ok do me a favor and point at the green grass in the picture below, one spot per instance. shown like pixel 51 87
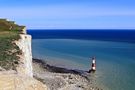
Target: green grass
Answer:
pixel 9 51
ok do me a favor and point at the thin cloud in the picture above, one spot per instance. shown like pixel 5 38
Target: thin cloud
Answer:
pixel 71 16
pixel 63 12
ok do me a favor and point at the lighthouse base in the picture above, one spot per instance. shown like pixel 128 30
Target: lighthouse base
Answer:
pixel 91 71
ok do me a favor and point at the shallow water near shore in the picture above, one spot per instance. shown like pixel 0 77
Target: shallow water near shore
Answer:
pixel 115 60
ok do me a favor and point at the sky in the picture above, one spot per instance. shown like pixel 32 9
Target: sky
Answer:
pixel 70 14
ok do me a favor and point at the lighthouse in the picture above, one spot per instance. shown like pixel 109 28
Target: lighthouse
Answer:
pixel 93 66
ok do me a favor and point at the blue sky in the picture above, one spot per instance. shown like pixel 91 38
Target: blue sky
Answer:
pixel 70 14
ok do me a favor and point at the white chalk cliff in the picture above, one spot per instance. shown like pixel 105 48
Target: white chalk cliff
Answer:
pixel 25 68
pixel 22 78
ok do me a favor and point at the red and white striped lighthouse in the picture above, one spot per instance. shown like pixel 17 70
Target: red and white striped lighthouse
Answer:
pixel 93 66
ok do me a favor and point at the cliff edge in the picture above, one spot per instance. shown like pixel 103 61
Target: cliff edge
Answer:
pixel 24 43
pixel 16 58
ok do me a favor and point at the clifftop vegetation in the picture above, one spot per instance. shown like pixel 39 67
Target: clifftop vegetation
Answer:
pixel 9 51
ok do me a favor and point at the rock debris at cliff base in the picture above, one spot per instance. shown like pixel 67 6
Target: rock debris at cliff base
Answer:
pixel 68 80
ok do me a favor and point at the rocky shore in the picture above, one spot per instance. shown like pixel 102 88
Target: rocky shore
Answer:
pixel 57 78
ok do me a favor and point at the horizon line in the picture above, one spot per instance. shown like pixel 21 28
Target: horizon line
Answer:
pixel 79 29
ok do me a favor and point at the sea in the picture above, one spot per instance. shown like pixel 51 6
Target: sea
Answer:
pixel 114 51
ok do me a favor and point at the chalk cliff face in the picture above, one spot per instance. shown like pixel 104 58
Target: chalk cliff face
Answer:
pixel 25 68
pixel 21 76
pixel 22 79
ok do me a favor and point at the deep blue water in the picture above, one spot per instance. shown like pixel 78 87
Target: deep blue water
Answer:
pixel 107 35
pixel 114 50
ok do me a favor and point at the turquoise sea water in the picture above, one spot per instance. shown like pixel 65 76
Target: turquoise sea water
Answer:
pixel 115 60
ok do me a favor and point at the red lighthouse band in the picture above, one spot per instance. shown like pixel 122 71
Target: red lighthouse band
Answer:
pixel 93 66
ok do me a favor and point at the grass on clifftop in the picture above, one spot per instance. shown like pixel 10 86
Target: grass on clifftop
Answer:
pixel 9 51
